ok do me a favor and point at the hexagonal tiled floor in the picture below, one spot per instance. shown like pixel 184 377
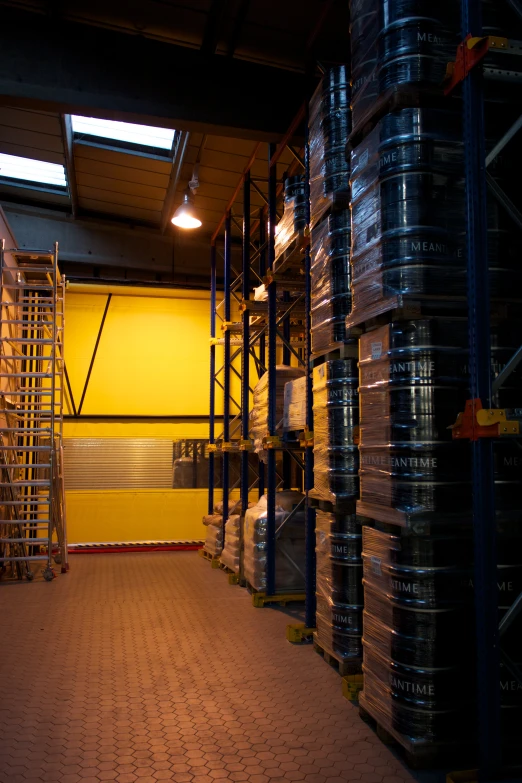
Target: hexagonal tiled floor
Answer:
pixel 150 667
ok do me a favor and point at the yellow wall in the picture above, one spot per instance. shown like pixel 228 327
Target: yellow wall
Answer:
pixel 152 360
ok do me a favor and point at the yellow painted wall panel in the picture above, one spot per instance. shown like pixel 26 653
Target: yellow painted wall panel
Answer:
pixel 136 515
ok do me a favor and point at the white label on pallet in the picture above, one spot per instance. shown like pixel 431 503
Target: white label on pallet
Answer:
pixel 376 350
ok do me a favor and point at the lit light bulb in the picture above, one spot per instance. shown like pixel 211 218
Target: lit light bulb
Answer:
pixel 185 216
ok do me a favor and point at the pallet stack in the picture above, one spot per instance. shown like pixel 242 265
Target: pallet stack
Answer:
pixel 409 286
pixel 335 380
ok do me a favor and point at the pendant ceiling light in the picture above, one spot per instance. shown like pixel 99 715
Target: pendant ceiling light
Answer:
pixel 186 216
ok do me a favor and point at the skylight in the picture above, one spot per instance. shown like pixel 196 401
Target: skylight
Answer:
pixel 143 135
pixel 29 170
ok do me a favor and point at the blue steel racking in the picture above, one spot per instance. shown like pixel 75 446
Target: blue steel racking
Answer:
pixel 478 182
pixel 273 329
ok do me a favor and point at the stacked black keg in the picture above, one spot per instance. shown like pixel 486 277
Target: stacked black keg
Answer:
pixel 329 128
pixel 407 211
pixel 338 533
pixel 408 240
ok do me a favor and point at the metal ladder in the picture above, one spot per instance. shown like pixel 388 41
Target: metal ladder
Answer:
pixel 32 499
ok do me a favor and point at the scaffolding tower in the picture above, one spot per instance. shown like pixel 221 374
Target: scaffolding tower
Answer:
pixel 32 499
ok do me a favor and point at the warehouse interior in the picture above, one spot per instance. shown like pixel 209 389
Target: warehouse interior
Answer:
pixel 260 391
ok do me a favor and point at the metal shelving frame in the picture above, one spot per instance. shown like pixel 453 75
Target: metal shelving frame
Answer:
pixel 478 183
pixel 265 328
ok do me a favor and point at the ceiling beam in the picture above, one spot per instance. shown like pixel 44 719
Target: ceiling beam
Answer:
pixel 67 138
pixel 238 27
pixel 213 26
pixel 79 68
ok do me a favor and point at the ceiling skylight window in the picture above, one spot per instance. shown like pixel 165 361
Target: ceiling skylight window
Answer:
pixel 32 171
pixel 125 135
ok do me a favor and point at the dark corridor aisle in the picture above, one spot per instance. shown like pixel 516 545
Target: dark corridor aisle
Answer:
pixel 150 667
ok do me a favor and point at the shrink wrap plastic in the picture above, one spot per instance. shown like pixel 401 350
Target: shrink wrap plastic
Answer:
pixel 331 275
pixel 329 127
pixel 413 379
pixel 413 382
pixel 214 538
pixel 234 507
pixel 418 640
pixel 339 589
pixel 336 417
pixel 231 554
pixel 259 412
pixel 294 215
pixel 407 211
pixel 417 633
pixel 290 544
pixel 399 42
pixel 294 415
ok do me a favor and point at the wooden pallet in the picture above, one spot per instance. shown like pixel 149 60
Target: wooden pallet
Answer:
pixel 332 506
pixel 213 559
pixel 352 686
pixel 260 599
pixel 291 259
pixel 399 96
pixel 332 202
pixel 343 666
pixel 233 577
pixel 422 756
pixel 345 350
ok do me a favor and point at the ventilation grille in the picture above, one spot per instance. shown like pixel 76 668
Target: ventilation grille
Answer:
pixel 118 463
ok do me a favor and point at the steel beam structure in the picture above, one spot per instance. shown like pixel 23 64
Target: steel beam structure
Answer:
pixel 484 526
pixel 33 51
pixel 211 435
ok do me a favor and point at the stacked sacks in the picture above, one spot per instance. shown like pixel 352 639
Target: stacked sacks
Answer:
pixel 339 588
pixel 294 414
pixel 259 412
pixel 214 538
pixel 293 221
pixel 336 418
pixel 407 211
pixel 231 554
pixel 290 544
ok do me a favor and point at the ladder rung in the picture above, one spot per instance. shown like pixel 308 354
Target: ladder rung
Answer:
pixel 26 502
pixel 43 269
pixel 27 340
pixel 29 558
pixel 26 375
pixel 35 483
pixel 42 524
pixel 27 541
pixel 24 448
pixel 22 393
pixel 33 465
pixel 28 284
pixel 31 301
pixel 22 430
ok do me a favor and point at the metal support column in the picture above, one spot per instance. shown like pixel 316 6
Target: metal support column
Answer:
pixel 226 372
pixel 272 320
pixel 245 355
pixel 262 339
pixel 287 459
pixel 211 423
pixel 310 571
pixel 485 543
